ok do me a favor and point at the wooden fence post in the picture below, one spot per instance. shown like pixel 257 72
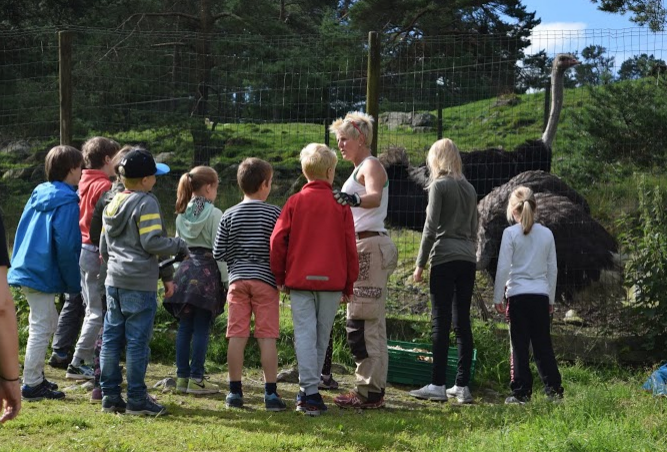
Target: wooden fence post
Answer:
pixel 373 85
pixel 65 82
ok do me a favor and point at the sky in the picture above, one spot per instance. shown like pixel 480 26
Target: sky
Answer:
pixel 571 25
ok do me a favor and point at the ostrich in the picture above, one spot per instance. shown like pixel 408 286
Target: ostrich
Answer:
pixel 583 247
pixel 484 169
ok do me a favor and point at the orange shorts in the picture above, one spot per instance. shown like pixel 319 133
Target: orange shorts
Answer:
pixel 251 297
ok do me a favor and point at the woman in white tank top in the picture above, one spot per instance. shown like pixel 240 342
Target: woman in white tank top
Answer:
pixel 367 192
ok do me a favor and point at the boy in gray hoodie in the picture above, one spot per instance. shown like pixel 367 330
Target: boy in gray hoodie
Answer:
pixel 131 241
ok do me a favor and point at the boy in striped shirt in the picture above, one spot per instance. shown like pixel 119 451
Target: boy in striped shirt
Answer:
pixel 242 241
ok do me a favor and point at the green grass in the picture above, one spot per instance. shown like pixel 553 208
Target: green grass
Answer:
pixel 604 410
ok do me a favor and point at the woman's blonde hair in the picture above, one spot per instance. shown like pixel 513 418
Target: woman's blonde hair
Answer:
pixel 444 159
pixel 316 159
pixel 190 182
pixel 355 124
pixel 522 201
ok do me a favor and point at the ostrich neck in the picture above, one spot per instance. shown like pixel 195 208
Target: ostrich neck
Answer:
pixel 556 106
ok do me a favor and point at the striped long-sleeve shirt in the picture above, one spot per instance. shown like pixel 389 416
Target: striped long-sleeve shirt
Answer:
pixel 243 240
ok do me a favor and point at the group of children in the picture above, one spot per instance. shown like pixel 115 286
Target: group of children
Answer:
pixel 323 248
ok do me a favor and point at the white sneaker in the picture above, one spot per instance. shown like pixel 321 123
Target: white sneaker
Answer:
pixel 462 394
pixel 430 392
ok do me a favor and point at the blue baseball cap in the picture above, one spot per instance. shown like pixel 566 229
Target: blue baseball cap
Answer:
pixel 140 163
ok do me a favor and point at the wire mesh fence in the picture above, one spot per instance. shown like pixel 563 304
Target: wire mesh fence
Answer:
pixel 193 98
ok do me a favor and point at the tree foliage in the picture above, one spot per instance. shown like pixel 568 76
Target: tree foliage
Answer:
pixel 640 66
pixel 596 68
pixel 535 73
pixel 624 122
pixel 643 12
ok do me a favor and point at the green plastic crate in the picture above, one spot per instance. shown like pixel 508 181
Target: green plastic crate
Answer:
pixel 406 367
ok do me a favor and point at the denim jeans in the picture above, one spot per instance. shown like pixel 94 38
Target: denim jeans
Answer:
pixel 129 320
pixel 193 331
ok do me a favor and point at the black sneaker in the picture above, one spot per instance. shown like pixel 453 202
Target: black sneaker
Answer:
pixel 39 392
pixel 328 383
pixel 52 386
pixel 59 361
pixel 113 404
pixel 311 405
pixel 147 408
pixel 517 400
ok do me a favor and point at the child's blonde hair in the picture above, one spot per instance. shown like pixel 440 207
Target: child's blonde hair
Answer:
pixel 522 201
pixel 444 159
pixel 190 182
pixel 355 124
pixel 316 159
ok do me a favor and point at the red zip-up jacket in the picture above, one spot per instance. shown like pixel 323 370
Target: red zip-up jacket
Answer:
pixel 313 246
pixel 93 184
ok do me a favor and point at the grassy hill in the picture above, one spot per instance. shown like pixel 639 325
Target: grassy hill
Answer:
pixel 498 122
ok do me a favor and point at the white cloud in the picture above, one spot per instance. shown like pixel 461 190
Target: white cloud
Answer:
pixel 566 37
pixel 556 37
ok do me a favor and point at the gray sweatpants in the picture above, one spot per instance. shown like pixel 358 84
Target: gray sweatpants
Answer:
pixel 313 316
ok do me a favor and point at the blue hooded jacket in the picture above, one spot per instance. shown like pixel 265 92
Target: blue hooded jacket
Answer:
pixel 48 241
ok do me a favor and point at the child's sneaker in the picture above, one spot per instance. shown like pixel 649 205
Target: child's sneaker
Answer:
pixel 354 400
pixel 113 404
pixel 51 385
pixel 273 402
pixel 80 372
pixel 182 385
pixel 517 400
pixel 234 400
pixel 146 408
pixel 312 405
pixel 96 395
pixel 39 392
pixel 554 395
pixel 59 361
pixel 327 383
pixel 461 393
pixel 201 387
pixel 430 392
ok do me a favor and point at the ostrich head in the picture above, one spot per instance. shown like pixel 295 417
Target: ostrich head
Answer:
pixel 562 62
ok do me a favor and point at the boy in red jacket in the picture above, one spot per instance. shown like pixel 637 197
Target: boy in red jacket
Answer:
pixel 98 153
pixel 314 259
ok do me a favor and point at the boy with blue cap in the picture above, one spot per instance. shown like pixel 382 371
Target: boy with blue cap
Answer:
pixel 133 237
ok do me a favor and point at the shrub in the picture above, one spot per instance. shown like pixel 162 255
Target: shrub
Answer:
pixel 646 268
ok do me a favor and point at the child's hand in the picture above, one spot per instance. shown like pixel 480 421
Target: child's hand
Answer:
pixel 168 289
pixel 417 275
pixel 345 299
pixel 500 307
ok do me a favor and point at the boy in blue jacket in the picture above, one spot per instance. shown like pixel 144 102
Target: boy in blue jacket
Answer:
pixel 45 261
